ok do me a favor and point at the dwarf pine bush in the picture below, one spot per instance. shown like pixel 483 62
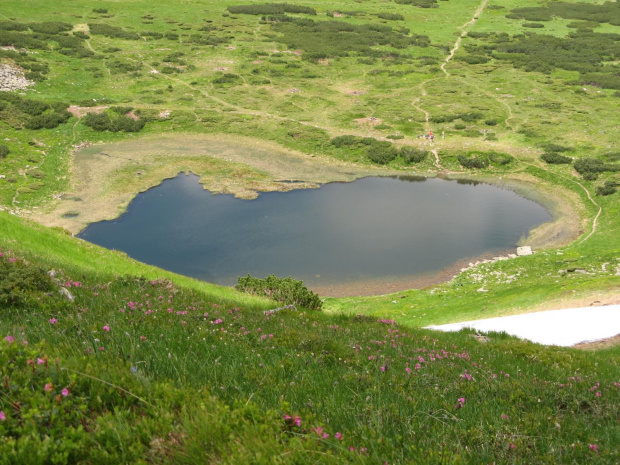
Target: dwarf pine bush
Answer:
pixel 284 290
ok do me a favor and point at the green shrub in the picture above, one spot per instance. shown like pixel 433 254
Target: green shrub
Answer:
pixel 473 162
pixel 608 188
pixel 271 9
pixel 554 158
pixel 48 120
pixel 50 27
pixel 4 151
pixel 112 31
pixel 590 176
pixel 21 284
pixel 391 16
pixel 103 122
pixel 594 165
pixel 533 25
pixel 284 290
pixel 491 122
pixel 500 158
pixel 412 155
pixel 382 152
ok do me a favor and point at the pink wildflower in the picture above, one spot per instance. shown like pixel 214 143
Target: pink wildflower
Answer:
pixel 467 376
pixel 504 416
pixel 593 447
pixel 417 366
pixel 2 415
pixel 53 321
pixel 297 421
pixel 106 328
pixel 65 392
pixel 383 368
pixel 40 361
pixel 10 339
pixel 101 349
pixel 143 338
pixel 263 336
pixel 372 357
pixel 408 370
pixel 338 436
pixel 48 387
pixel 598 394
pixel 512 446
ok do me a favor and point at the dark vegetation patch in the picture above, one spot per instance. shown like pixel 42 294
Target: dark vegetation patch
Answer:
pixel 468 117
pixel 284 290
pixel 113 32
pixel 325 39
pixel 583 51
pixel 589 166
pixel 610 187
pixel 271 9
pixel 21 112
pixel 112 123
pixel 377 151
pixel 41 36
pixel 480 160
pixel 21 283
pixel 555 158
pixel 391 16
pixel 608 12
pixel 419 3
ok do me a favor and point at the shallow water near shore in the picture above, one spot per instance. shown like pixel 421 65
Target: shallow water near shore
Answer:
pixel 376 229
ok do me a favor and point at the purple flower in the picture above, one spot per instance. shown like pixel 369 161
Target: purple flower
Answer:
pixel 53 321
pixel 2 415
pixel 65 392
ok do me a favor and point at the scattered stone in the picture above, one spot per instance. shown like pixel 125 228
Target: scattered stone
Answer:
pixel 482 289
pixel 276 310
pixel 52 273
pixel 481 338
pixel 525 250
pixel 12 79
pixel 65 293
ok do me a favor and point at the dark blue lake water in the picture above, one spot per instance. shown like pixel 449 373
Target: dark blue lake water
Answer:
pixel 378 228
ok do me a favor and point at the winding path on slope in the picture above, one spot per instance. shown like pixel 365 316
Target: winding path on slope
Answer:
pixel 453 50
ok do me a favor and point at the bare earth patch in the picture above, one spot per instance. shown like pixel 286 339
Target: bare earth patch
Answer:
pixel 80 112
pixel 371 120
pixel 105 178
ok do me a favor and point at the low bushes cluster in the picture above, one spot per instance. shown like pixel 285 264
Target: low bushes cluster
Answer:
pixel 104 122
pixel 480 160
pixel 594 165
pixel 380 152
pixel 271 9
pixel 284 290
pixel 114 32
pixel 610 187
pixel 4 151
pixel 391 16
pixel 22 284
pixel 419 3
pixel 325 39
pixel 18 112
pixel 412 155
pixel 555 158
pixel 468 117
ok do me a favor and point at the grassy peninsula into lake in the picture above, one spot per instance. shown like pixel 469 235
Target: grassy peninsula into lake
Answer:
pixel 107 360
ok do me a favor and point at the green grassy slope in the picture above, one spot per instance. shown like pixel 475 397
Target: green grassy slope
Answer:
pixel 157 370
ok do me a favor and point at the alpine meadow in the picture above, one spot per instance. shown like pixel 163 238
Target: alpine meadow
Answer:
pixel 107 360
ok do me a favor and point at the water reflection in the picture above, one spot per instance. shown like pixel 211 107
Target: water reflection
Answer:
pixel 343 232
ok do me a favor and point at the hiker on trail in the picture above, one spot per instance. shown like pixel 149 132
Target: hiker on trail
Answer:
pixel 431 137
pixel 443 134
